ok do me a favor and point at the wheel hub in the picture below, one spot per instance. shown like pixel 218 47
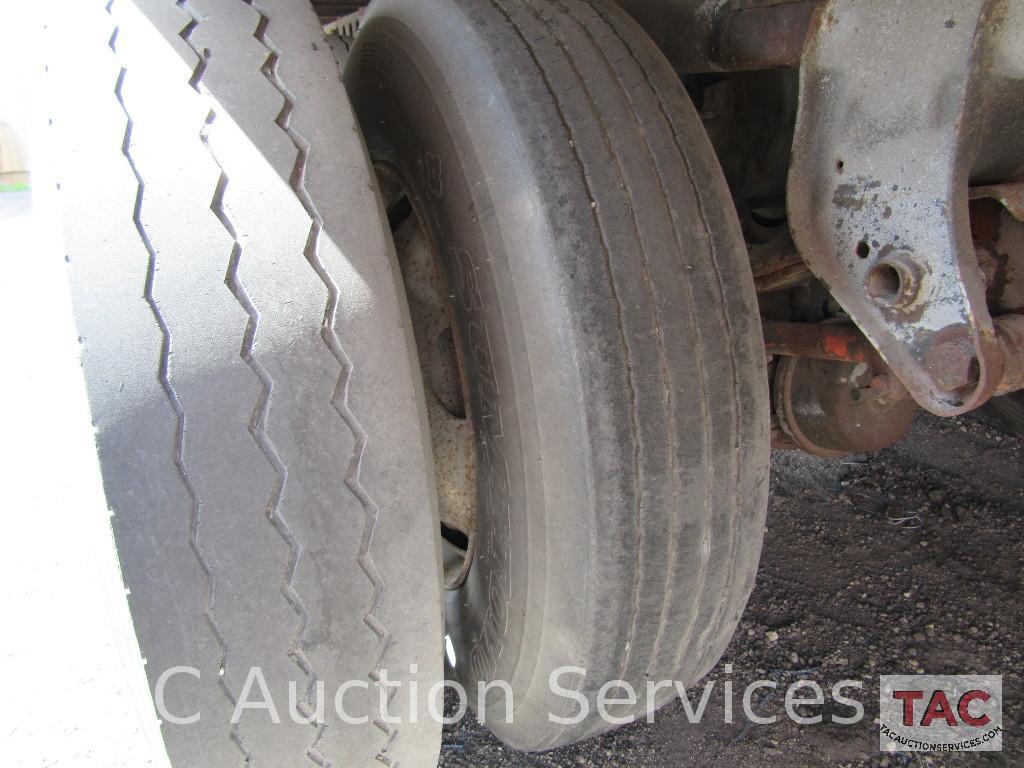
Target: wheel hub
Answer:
pixel 440 358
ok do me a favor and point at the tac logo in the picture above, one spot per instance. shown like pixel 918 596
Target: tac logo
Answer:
pixel 941 713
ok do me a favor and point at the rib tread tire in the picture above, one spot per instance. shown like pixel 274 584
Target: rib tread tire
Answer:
pixel 1008 412
pixel 257 403
pixel 658 552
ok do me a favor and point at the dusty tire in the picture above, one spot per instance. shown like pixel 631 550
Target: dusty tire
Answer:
pixel 256 401
pixel 615 368
pixel 1008 412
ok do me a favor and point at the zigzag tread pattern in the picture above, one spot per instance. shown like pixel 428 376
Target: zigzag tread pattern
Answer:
pixel 260 413
pixel 340 401
pixel 164 377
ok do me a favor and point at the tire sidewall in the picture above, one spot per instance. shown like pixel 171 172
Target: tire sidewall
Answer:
pixel 413 127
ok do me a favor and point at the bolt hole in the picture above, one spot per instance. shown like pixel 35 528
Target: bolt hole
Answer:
pixel 840 165
pixel 455 537
pixel 399 212
pixel 863 249
pixel 884 283
pixel 855 395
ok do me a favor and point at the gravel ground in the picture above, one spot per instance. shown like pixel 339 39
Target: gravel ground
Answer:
pixel 903 562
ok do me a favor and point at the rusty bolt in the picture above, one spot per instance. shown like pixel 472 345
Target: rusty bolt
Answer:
pixel 880 383
pixel 953 364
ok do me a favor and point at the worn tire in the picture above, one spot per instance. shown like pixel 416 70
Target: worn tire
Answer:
pixel 254 390
pixel 1008 412
pixel 615 366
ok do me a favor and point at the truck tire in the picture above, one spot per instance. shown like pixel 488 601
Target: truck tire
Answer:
pixel 257 405
pixel 1008 412
pixel 611 343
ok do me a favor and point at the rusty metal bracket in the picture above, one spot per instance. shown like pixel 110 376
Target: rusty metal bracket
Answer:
pixel 1010 195
pixel 827 341
pixel 725 35
pixel 878 186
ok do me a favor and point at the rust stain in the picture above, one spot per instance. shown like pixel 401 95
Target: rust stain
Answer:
pixel 847 196
pixel 853 195
pixel 836 345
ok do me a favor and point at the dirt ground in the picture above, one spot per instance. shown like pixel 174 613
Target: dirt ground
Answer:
pixel 904 562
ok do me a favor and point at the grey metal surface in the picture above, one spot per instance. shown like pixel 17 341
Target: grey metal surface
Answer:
pixel 877 193
pixel 907 110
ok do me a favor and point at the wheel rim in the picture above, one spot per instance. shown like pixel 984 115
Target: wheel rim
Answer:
pixel 438 348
